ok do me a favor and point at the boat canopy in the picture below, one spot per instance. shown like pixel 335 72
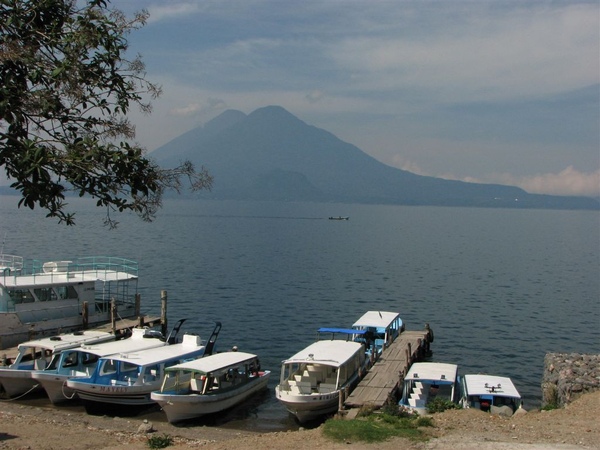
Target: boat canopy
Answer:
pixel 67 341
pixel 331 352
pixel 162 354
pixel 490 385
pixel 341 330
pixel 213 363
pixel 378 319
pixel 440 373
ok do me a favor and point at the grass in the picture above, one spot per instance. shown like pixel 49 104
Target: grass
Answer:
pixel 376 428
pixel 162 441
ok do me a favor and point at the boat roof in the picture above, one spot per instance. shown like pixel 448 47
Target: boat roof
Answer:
pixel 66 341
pixel 157 355
pixel 136 342
pixel 331 353
pixel 482 384
pixel 379 319
pixel 213 363
pixel 429 371
pixel 341 330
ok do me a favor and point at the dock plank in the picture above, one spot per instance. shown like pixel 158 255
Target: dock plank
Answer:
pixel 386 375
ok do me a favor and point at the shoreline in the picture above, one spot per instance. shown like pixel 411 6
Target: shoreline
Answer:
pixel 573 427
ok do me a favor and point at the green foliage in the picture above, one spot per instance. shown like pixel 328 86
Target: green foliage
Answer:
pixel 162 441
pixel 66 88
pixel 375 428
pixel 549 407
pixel 439 404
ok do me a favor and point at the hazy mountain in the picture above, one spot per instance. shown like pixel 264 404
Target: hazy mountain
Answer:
pixel 272 155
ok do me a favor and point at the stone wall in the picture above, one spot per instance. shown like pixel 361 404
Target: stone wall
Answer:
pixel 568 376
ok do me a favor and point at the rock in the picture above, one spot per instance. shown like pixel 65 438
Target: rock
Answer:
pixel 146 427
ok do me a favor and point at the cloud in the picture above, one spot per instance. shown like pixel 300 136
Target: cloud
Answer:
pixel 172 10
pixel 566 182
pixel 211 106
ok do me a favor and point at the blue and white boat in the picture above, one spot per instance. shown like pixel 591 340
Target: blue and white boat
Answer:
pixel 55 297
pixel 380 329
pixel 209 385
pixel 82 362
pixel 489 393
pixel 129 378
pixel 36 355
pixel 311 381
pixel 426 381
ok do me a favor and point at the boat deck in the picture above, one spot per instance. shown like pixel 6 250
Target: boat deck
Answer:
pixel 9 354
pixel 387 374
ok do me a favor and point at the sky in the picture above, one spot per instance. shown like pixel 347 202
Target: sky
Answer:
pixel 485 91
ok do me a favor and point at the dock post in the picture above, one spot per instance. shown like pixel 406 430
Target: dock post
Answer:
pixel 85 315
pixel 163 312
pixel 113 315
pixel 138 303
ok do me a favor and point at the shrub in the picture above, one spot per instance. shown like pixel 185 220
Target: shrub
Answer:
pixel 162 441
pixel 439 405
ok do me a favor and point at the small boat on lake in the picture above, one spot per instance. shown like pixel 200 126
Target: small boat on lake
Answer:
pixel 380 329
pixel 339 218
pixel 36 355
pixel 127 379
pixel 209 385
pixel 490 393
pixel 426 381
pixel 311 380
pixel 82 362
pixel 52 297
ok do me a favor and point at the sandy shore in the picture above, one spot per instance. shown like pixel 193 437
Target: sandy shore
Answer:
pixel 576 426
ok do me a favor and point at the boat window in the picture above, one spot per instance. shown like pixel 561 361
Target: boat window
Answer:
pixel 45 294
pixel 108 367
pixel 66 292
pixel 19 296
pixel 70 359
pixel 128 367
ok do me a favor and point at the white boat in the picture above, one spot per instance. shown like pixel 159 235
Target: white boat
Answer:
pixel 380 329
pixel 426 381
pixel 40 299
pixel 311 380
pixel 82 362
pixel 127 379
pixel 489 393
pixel 209 385
pixel 36 355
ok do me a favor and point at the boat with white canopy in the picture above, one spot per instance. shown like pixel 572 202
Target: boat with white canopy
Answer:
pixel 312 380
pixel 209 385
pixel 380 329
pixel 36 355
pixel 489 393
pixel 426 381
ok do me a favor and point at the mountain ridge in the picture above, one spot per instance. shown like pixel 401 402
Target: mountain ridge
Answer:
pixel 270 154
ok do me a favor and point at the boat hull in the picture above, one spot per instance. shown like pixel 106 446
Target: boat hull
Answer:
pixel 16 382
pixel 55 386
pixel 185 407
pixel 308 407
pixel 133 395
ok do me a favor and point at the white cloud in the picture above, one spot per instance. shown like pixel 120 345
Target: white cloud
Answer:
pixel 566 182
pixel 172 10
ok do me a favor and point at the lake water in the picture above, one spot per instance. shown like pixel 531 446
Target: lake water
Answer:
pixel 499 287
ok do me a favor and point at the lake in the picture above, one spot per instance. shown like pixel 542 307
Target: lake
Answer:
pixel 499 287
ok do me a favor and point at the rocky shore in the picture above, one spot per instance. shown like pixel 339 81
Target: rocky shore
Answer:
pixel 567 376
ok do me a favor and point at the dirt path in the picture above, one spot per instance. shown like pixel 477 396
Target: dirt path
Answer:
pixel 575 427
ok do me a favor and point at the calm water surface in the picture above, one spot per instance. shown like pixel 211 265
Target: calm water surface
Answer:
pixel 500 288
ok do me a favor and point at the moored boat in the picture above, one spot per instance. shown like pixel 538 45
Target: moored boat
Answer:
pixel 36 355
pixel 209 385
pixel 312 380
pixel 380 329
pixel 490 393
pixel 82 362
pixel 128 379
pixel 426 381
pixel 47 298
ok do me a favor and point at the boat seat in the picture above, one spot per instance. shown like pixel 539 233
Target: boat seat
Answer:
pixel 304 387
pixel 196 385
pixel 326 387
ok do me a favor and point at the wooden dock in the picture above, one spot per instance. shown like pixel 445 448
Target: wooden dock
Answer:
pixel 387 374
